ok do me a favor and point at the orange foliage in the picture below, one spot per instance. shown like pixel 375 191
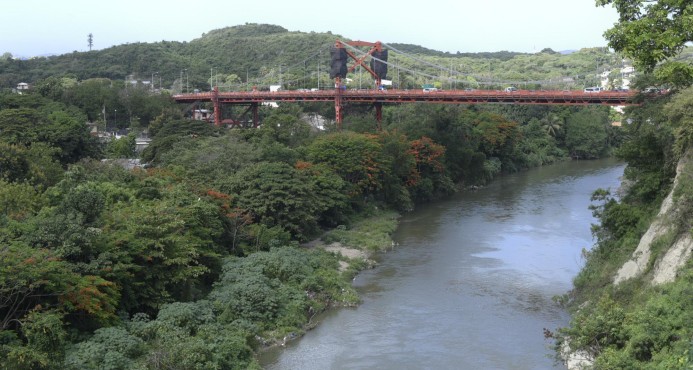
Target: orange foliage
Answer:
pixel 94 296
pixel 426 153
pixel 302 165
pixel 218 195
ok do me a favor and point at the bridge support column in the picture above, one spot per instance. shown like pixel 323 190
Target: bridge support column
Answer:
pixel 378 114
pixel 256 116
pixel 338 103
pixel 217 107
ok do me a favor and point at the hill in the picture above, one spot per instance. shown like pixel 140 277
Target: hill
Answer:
pixel 261 54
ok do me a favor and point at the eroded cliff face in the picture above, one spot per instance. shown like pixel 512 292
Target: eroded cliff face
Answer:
pixel 657 265
pixel 679 251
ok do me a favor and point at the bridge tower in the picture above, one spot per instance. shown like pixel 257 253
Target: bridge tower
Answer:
pixel 338 70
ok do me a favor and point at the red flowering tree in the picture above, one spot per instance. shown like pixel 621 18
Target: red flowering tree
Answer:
pixel 428 180
pixel 356 158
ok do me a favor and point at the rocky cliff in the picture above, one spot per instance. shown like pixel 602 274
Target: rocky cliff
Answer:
pixel 678 251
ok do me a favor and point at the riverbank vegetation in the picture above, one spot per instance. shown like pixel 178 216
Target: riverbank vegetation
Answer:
pixel 641 320
pixel 195 261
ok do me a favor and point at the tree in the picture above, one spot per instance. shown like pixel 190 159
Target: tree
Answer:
pixel 650 32
pixel 66 130
pixel 552 123
pixel 277 194
pixel 174 132
pixel 161 250
pixel 680 114
pixel 429 180
pixel 14 166
pixel 498 135
pixel 35 279
pixel 354 157
pixel 123 147
pixel 20 125
pixel 112 348
pixel 18 200
pixel 586 135
pixel 399 169
pixel 90 41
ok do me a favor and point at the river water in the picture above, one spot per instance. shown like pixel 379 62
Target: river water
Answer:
pixel 471 281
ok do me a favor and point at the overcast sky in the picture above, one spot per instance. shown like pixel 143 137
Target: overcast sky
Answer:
pixel 36 27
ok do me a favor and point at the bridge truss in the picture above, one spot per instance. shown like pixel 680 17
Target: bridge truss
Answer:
pixel 378 96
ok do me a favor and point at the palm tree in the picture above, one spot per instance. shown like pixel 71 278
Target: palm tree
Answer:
pixel 552 123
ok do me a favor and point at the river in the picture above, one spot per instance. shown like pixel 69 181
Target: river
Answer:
pixel 471 280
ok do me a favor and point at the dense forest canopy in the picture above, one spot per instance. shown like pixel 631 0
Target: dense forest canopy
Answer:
pixel 194 261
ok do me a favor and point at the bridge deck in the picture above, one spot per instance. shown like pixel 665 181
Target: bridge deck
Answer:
pixel 408 96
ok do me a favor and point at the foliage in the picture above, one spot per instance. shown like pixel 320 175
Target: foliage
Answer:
pixel 277 194
pixel 34 279
pixel 650 31
pixel 268 285
pixel 354 157
pixel 371 233
pixel 399 170
pixel 109 348
pixel 497 134
pixel 19 200
pixel 538 146
pixel 53 124
pixel 616 219
pixel 45 337
pixel 598 327
pixel 204 240
pixel 209 160
pixel 586 134
pixel 173 132
pixel 679 111
pixel 633 324
pixel 428 180
pixel 648 151
pixel 123 147
pixel 652 332
pixel 165 248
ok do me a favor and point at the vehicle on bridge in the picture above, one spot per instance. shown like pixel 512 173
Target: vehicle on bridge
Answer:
pixel 594 89
pixel 428 88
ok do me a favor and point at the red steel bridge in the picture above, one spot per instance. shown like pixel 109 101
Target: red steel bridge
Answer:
pixel 378 97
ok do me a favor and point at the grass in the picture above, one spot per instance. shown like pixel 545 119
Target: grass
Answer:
pixel 372 233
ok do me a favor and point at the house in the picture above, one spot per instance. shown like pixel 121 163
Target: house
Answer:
pixel 203 115
pixel 141 143
pixel 22 86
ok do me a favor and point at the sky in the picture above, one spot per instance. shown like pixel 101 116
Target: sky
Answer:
pixel 39 27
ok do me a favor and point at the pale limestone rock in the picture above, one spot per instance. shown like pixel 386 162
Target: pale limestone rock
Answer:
pixel 675 257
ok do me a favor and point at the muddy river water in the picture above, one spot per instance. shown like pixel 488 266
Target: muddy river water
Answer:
pixel 471 280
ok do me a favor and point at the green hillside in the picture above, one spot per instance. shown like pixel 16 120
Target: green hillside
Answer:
pixel 262 54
